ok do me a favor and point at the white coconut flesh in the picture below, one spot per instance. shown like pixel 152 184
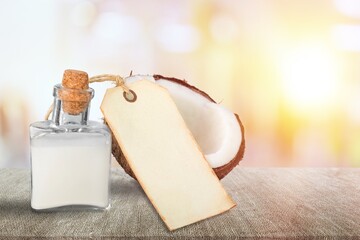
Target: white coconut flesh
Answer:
pixel 214 128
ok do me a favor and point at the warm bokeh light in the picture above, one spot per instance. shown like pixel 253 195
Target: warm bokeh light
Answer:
pixel 310 76
pixel 290 69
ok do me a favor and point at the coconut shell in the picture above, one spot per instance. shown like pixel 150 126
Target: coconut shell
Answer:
pixel 119 156
pixel 221 172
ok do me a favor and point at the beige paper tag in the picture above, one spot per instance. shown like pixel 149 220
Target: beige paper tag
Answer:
pixel 163 155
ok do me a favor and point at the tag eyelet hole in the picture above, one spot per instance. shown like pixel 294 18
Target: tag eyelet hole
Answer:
pixel 130 96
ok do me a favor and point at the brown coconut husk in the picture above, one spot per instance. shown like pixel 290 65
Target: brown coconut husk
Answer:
pixel 220 172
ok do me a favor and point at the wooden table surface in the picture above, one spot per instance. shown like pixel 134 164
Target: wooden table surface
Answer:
pixel 272 203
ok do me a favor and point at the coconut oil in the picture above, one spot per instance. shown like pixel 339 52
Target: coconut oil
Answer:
pixel 70 157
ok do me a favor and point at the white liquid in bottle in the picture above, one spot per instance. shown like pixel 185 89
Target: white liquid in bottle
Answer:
pixel 70 169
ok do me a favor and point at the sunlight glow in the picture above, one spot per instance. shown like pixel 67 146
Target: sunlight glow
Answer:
pixel 309 76
pixel 347 37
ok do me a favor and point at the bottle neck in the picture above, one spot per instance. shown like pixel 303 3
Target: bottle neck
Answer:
pixel 60 117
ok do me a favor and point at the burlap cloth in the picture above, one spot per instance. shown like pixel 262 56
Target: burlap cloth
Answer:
pixel 272 203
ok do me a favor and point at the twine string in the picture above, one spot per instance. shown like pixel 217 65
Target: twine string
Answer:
pixel 49 111
pixel 118 80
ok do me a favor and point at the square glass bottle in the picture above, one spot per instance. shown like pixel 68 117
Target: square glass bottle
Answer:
pixel 70 155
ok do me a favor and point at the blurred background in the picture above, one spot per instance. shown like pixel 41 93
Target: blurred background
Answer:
pixel 290 69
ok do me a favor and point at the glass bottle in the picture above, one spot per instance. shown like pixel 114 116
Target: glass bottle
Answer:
pixel 70 156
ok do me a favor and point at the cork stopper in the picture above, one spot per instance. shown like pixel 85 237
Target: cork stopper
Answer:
pixel 75 79
pixel 74 93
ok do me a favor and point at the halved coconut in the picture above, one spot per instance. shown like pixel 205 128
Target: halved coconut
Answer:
pixel 218 131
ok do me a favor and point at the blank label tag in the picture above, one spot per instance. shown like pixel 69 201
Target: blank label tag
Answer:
pixel 163 155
